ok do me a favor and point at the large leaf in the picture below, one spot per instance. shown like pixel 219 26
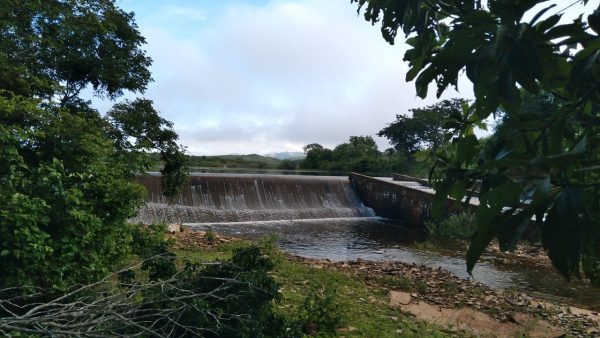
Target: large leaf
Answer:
pixel 562 231
pixel 482 238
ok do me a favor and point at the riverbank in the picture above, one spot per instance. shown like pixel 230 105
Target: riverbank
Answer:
pixel 388 299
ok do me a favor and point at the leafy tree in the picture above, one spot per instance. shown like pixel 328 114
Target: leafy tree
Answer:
pixel 424 129
pixel 316 155
pixel 54 49
pixel 66 188
pixel 363 145
pixel 546 164
pixel 288 164
pixel 359 154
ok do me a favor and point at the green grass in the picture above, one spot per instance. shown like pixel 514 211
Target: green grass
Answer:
pixel 363 309
pixel 461 226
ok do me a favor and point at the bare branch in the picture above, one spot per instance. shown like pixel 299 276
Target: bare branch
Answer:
pixel 111 307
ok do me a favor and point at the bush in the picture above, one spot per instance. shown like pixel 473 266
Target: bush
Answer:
pixel 63 202
pixel 152 246
pixel 241 297
pixel 210 236
pixel 233 298
pixel 320 311
pixel 461 226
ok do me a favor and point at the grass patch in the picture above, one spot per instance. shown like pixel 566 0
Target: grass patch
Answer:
pixel 460 226
pixel 317 294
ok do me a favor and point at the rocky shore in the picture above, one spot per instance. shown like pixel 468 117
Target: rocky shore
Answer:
pixel 437 296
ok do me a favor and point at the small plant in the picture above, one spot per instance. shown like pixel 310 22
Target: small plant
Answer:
pixel 396 282
pixel 426 245
pixel 450 288
pixel 461 226
pixel 210 236
pixel 421 287
pixel 320 311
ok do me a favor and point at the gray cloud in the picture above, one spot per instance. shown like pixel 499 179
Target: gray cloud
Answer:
pixel 276 77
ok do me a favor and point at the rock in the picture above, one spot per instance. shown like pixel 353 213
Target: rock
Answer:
pixel 399 298
pixel 535 327
pixel 579 312
pixel 591 315
pixel 174 227
pixel 480 323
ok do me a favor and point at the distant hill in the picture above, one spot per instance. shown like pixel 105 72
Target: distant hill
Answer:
pixel 287 155
pixel 234 161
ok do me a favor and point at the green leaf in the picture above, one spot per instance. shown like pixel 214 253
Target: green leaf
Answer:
pixel 562 230
pixel 548 23
pixel 510 227
pixel 540 13
pixel 482 238
pixel 467 148
pixel 4 252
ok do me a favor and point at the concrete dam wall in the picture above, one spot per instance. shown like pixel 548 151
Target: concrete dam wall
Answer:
pixel 402 197
pixel 211 198
pixel 240 197
pixel 411 202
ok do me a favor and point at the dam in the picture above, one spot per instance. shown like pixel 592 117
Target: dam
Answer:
pixel 249 197
pixel 339 218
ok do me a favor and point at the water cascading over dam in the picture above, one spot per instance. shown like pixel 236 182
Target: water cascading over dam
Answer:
pixel 239 197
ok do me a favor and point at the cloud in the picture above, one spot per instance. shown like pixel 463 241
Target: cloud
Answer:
pixel 274 77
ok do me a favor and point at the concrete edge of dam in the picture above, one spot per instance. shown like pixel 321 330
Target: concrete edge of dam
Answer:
pixel 402 198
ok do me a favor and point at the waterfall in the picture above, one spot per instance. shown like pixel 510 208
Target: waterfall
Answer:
pixel 240 197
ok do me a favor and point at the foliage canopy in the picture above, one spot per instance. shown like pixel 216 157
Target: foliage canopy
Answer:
pixel 424 129
pixel 544 167
pixel 359 154
pixel 66 187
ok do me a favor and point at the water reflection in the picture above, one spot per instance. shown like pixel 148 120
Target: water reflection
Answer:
pixel 373 238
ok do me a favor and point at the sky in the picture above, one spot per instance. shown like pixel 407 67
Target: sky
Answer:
pixel 268 76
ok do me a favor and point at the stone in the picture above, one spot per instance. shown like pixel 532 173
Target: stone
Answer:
pixel 591 315
pixel 399 298
pixel 174 227
pixel 480 323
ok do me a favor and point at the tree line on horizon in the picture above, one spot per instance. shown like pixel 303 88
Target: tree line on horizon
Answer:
pixel 412 136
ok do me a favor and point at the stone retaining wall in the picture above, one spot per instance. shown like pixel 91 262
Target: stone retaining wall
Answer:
pixel 390 199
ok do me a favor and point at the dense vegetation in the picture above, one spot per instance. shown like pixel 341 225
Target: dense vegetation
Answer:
pixel 66 172
pixel 234 161
pixel 359 154
pixel 424 128
pixel 67 191
pixel 542 164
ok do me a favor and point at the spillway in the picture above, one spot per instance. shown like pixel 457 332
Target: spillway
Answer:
pixel 242 198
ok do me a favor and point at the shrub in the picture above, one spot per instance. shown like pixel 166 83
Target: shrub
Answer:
pixel 209 236
pixel 151 245
pixel 461 226
pixel 233 298
pixel 63 203
pixel 320 310
pixel 242 295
